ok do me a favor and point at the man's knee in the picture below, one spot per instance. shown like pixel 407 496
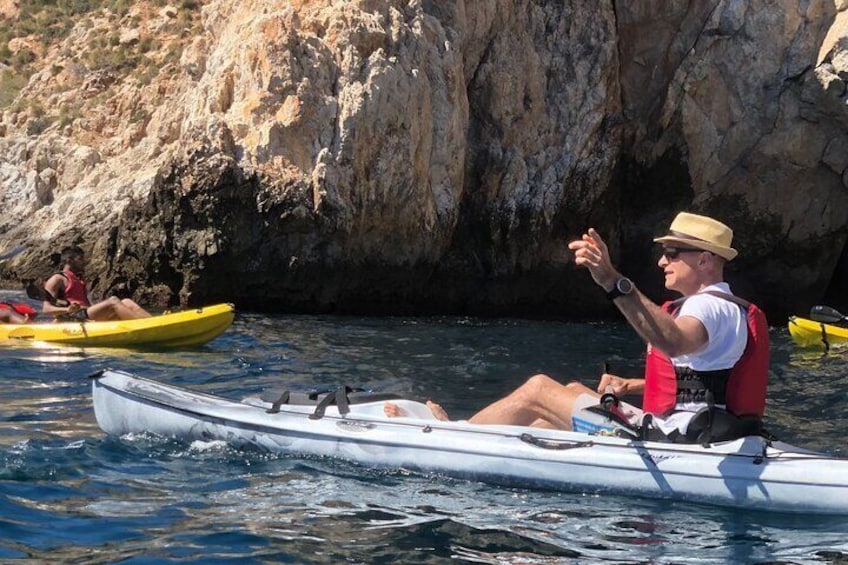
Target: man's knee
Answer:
pixel 576 387
pixel 538 385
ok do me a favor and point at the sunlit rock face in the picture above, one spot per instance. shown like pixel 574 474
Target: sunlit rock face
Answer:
pixel 746 116
pixel 420 157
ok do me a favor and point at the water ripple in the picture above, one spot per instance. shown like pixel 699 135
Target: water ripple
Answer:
pixel 70 494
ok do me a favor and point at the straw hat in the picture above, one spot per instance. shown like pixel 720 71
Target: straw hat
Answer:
pixel 700 232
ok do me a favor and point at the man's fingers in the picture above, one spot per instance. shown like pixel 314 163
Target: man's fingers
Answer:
pixel 593 233
pixel 604 383
pixel 589 250
pixel 599 241
pixel 575 245
pixel 585 258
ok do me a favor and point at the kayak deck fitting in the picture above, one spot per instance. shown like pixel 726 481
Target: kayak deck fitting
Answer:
pixel 750 472
pixel 178 329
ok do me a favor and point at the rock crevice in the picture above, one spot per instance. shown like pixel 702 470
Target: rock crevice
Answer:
pixel 424 157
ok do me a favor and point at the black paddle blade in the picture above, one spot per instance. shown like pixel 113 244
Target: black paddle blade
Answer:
pixel 37 292
pixel 826 314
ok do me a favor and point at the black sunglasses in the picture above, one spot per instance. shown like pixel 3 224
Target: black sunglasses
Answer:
pixel 673 252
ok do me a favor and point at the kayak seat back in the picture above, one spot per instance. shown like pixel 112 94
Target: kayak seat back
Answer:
pixel 710 425
pixel 341 397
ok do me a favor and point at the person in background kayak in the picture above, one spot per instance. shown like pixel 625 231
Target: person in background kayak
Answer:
pixel 69 286
pixel 9 316
pixel 704 338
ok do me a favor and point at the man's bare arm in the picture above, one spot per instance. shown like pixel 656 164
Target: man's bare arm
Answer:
pixel 673 336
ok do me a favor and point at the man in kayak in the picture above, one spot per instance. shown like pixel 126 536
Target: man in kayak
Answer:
pixel 68 287
pixel 704 338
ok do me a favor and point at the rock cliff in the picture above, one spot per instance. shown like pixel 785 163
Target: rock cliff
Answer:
pixel 421 156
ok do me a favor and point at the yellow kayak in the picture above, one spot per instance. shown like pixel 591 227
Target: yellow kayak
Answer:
pixel 809 333
pixel 177 329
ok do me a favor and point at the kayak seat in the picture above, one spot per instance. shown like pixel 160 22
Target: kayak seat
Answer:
pixel 341 397
pixel 710 425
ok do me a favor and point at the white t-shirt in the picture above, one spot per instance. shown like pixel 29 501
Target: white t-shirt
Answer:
pixel 727 328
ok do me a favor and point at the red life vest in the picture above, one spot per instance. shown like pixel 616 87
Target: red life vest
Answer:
pixel 24 310
pixel 75 291
pixel 746 387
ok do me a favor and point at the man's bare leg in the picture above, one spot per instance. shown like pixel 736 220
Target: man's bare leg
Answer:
pixel 137 310
pixel 114 308
pixel 540 402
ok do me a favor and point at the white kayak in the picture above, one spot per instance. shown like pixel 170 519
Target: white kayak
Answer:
pixel 751 472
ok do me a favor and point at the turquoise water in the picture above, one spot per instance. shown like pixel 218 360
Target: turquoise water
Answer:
pixel 69 494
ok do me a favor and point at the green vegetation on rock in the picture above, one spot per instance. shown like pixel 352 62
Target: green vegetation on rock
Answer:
pixel 42 24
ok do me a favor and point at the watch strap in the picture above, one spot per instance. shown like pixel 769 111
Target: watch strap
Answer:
pixel 614 293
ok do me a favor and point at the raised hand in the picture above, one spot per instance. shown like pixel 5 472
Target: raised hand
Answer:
pixel 592 252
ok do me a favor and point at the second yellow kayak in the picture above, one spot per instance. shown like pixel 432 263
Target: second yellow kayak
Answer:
pixel 809 333
pixel 179 329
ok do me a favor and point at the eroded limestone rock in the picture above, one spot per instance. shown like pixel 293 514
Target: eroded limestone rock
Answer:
pixel 437 156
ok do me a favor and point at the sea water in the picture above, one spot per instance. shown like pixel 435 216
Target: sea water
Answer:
pixel 70 494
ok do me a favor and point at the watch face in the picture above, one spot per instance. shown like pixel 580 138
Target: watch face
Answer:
pixel 624 285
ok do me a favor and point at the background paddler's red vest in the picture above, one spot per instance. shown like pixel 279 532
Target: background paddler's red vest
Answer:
pixel 746 386
pixel 24 310
pixel 75 291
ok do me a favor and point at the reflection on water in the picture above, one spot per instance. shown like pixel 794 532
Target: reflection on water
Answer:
pixel 70 494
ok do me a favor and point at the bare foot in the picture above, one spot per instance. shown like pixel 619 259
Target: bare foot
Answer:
pixel 438 411
pixel 392 410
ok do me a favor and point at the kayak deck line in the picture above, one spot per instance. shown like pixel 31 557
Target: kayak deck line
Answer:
pixel 767 453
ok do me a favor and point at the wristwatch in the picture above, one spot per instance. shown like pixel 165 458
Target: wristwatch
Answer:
pixel 622 287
